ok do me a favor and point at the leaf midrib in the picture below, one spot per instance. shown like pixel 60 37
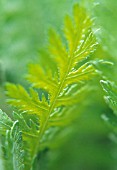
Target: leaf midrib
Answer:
pixel 60 87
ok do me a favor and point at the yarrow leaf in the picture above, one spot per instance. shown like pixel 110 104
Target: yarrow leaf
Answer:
pixel 62 86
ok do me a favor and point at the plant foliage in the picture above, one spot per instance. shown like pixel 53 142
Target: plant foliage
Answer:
pixel 38 114
pixel 110 89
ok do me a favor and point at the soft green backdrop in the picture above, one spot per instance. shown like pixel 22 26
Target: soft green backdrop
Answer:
pixel 23 31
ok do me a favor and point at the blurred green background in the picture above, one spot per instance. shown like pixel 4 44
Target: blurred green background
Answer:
pixel 23 31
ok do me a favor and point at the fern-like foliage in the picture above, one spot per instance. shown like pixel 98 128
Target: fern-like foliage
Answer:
pixel 110 117
pixel 110 89
pixel 12 144
pixel 16 151
pixel 73 68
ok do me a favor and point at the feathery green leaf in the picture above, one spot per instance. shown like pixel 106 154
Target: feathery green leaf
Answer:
pixel 61 87
pixel 13 152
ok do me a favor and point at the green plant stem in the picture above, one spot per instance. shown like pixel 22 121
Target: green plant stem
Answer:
pixel 60 88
